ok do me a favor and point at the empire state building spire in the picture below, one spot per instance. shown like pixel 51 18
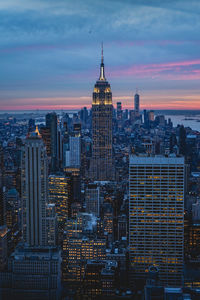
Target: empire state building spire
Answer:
pixel 102 168
pixel 102 74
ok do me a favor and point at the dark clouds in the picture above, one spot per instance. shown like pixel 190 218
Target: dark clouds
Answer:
pixel 53 47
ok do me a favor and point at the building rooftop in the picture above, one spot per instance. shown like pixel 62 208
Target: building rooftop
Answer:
pixel 45 253
pixel 157 159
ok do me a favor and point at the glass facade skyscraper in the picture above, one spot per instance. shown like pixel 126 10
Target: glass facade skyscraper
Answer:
pixel 156 217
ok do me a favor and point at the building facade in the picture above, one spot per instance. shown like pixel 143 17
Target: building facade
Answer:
pixel 52 126
pixel 32 274
pixel 102 110
pixel 137 104
pixel 156 217
pixel 92 199
pixel 34 180
pixel 75 151
pixel 60 195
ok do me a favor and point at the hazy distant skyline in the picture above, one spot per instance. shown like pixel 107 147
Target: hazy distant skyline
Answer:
pixel 50 52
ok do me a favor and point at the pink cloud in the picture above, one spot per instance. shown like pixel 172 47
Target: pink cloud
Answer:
pixel 182 70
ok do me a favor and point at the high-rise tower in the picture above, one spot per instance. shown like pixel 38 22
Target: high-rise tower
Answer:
pixel 34 269
pixel 102 163
pixel 51 124
pixel 156 216
pixel 34 190
pixel 137 104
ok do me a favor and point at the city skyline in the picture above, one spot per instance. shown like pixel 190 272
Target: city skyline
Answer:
pixel 50 53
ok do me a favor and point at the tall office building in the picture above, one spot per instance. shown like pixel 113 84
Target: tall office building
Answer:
pixel 51 225
pixel 137 104
pixel 52 125
pixel 33 269
pixel 119 111
pixel 92 199
pixel 65 145
pixel 156 217
pixel 34 190
pixel 75 151
pixel 102 109
pixel 60 195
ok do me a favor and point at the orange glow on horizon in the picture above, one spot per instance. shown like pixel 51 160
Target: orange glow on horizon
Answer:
pixel 154 100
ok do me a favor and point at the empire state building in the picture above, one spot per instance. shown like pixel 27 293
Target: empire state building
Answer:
pixel 102 109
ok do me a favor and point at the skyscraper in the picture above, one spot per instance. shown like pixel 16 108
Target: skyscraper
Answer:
pixel 34 190
pixel 102 161
pixel 92 199
pixel 156 217
pixel 75 150
pixel 137 104
pixel 119 110
pixel 72 148
pixel 60 195
pixel 51 124
pixel 33 269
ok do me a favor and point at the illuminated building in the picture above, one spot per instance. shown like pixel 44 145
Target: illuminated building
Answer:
pixel 92 278
pixel 80 243
pixel 78 251
pixel 102 110
pixel 46 136
pixel 34 190
pixel 50 137
pixel 60 195
pixel 92 199
pixel 137 105
pixel 34 268
pixel 74 174
pixel 156 219
pixel 100 278
pixel 109 278
pixel 107 217
pixel 13 218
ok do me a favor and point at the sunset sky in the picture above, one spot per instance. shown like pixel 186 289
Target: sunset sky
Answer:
pixel 50 52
